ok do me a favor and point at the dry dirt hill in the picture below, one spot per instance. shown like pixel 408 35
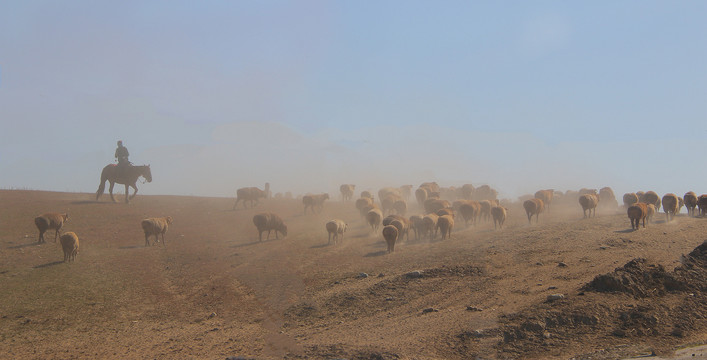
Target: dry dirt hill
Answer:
pixel 214 291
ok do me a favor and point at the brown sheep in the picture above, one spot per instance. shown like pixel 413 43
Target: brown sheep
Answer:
pixel 470 212
pixel 388 219
pixel 445 211
pixel 156 227
pixel 607 199
pixel 484 192
pixel 589 202
pixel 670 206
pixel 702 204
pixel 337 228
pixel 499 216
pixel 406 191
pixel 384 192
pixel 269 221
pixel 485 213
pixel 373 218
pixel 387 203
pixel 651 212
pixel 249 194
pixel 690 200
pixel 650 197
pixel 630 199
pixel 366 194
pixel 400 207
pixel 445 224
pixel 430 225
pixel 49 221
pixel 362 203
pixel 434 205
pixel 70 244
pixel 421 195
pixel 545 196
pixel 417 224
pixel 637 213
pixel 347 191
pixel 403 228
pixel 466 191
pixel 314 202
pixel 390 234
pixel 585 191
pixel 533 207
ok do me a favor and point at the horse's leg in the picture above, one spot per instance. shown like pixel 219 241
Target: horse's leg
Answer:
pixel 110 190
pixel 134 186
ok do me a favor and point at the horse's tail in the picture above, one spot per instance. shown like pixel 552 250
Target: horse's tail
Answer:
pixel 102 185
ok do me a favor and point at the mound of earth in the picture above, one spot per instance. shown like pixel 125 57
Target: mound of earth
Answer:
pixel 638 304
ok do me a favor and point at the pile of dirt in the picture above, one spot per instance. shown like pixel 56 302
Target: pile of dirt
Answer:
pixel 638 303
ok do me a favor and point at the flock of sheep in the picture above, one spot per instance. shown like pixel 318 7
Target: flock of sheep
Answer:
pixel 388 214
pixel 70 241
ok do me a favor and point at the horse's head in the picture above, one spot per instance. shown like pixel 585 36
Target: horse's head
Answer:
pixel 146 173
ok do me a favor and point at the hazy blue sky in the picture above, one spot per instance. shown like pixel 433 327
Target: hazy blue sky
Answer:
pixel 307 95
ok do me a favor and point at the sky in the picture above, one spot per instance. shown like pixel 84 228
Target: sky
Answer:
pixel 308 95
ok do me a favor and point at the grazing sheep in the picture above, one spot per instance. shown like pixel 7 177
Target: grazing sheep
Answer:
pixel 445 224
pixel 362 203
pixel 430 225
pixel 269 221
pixel 637 213
pixel 499 216
pixel 434 205
pixel 70 245
pixel 690 200
pixel 545 196
pixel 314 202
pixel 470 211
pixel 155 226
pixel 651 212
pixel 49 221
pixel 670 206
pixel 702 204
pixel 630 199
pixel 417 224
pixel 400 207
pixel 650 197
pixel 347 191
pixel 607 199
pixel 337 228
pixel 252 194
pixel 589 202
pixel 366 194
pixel 373 218
pixel 390 234
pixel 533 207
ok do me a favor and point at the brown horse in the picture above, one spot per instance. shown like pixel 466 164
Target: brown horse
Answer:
pixel 127 175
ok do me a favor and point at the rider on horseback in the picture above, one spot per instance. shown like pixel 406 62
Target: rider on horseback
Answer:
pixel 121 153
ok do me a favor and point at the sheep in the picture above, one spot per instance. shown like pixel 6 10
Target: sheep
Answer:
pixel 417 224
pixel 314 202
pixel 403 228
pixel 400 207
pixel 690 200
pixel 470 211
pixel 484 192
pixel 406 191
pixel 434 205
pixel 637 213
pixel 485 212
pixel 702 204
pixel 347 191
pixel 155 226
pixel 430 225
pixel 250 194
pixel 269 221
pixel 650 197
pixel 421 195
pixel 373 218
pixel 630 199
pixel 670 206
pixel 651 212
pixel 545 196
pixel 589 202
pixel 607 199
pixel 585 191
pixel 366 194
pixel 445 211
pixel 533 207
pixel 362 203
pixel 70 244
pixel 499 216
pixel 49 221
pixel 384 192
pixel 337 228
pixel 445 224
pixel 466 191
pixel 387 203
pixel 390 234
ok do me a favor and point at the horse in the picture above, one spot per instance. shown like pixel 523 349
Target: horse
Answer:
pixel 126 175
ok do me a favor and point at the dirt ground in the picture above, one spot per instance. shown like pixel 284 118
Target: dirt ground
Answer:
pixel 213 291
